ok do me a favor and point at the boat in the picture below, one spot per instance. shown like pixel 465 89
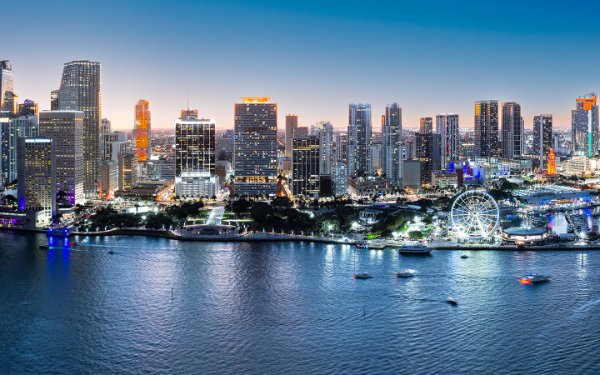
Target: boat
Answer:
pixel 405 273
pixel 464 256
pixel 451 301
pixel 111 252
pixel 361 276
pixel 362 244
pixel 415 250
pixel 376 245
pixel 532 279
pixel 44 247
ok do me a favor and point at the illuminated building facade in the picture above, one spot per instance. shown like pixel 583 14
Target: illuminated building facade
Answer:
pixel 11 129
pixel 392 147
pixel 542 138
pixel 512 130
pixel 65 128
pixel 80 91
pixel 584 126
pixel 359 139
pixel 142 130
pixel 37 178
pixel 255 150
pixel 551 163
pixel 195 156
pixel 487 140
pixel 447 127
pixel 428 153
pixel 306 166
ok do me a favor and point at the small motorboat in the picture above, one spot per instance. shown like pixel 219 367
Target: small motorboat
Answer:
pixel 532 279
pixel 451 301
pixel 405 273
pixel 111 252
pixel 45 247
pixel 464 256
pixel 361 276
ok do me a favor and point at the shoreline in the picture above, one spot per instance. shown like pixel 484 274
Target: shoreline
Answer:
pixel 270 237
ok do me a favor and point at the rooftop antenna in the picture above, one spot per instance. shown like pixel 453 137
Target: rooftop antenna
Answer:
pixel 187 99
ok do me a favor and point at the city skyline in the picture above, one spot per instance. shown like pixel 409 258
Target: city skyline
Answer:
pixel 306 72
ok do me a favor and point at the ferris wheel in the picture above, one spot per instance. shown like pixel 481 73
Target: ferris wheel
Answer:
pixel 474 214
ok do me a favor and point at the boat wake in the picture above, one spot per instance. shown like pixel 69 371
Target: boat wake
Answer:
pixel 583 309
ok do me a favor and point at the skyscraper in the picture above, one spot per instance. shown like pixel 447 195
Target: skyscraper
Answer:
pixel 392 146
pixel 80 91
pixel 7 81
pixel 37 178
pixel 512 130
pixel 105 139
pixel 255 150
pixel 11 131
pixel 291 123
pixel 447 127
pixel 542 138
pixel 487 141
pixel 65 129
pixel 359 139
pixel 324 131
pixel 428 150
pixel 54 100
pixel 305 165
pixel 195 156
pixel 142 130
pixel 584 126
pixel 194 145
pixel 426 125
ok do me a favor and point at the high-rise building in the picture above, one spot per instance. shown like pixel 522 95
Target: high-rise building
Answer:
pixel 105 139
pixel 341 147
pixel 7 81
pixel 487 138
pixel 291 123
pixel 542 138
pixel 255 152
pixel 109 181
pixel 37 178
pixel 376 157
pixel 11 130
pixel 584 126
pixel 54 100
pixel 195 145
pixel 426 125
pixel 28 108
pixel 65 128
pixel 392 146
pixel 142 130
pixel 80 91
pixel 195 156
pixel 10 103
pixel 224 146
pixel 551 171
pixel 324 130
pixel 512 130
pixel 305 165
pixel 127 171
pixel 359 139
pixel 340 179
pixel 428 149
pixel 447 128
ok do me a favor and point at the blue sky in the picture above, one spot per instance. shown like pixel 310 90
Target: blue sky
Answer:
pixel 311 57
